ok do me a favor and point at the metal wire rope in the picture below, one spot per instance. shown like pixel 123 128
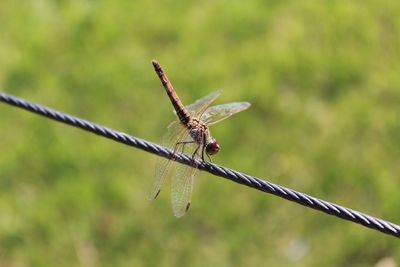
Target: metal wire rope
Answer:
pixel 241 178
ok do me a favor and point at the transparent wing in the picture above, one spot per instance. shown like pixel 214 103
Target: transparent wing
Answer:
pixel 200 105
pixel 181 188
pixel 175 133
pixel 218 113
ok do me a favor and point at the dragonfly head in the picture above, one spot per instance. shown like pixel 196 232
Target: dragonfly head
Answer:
pixel 212 147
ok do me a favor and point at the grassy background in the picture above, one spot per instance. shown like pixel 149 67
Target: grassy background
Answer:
pixel 324 82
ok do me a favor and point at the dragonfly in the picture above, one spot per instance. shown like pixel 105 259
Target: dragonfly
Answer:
pixel 190 132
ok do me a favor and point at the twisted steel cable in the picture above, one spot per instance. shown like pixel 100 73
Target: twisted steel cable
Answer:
pixel 241 178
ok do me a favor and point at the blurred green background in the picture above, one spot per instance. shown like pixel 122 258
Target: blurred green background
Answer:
pixel 323 78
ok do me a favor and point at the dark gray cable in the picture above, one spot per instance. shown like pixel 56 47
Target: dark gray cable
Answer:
pixel 300 198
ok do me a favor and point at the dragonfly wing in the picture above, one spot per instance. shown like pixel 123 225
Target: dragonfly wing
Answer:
pixel 200 105
pixel 175 133
pixel 181 189
pixel 218 113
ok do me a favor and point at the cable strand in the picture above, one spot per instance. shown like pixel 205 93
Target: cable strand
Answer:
pixel 235 176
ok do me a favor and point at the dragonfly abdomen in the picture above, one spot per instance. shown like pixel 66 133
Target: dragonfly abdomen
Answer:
pixel 180 109
pixel 182 114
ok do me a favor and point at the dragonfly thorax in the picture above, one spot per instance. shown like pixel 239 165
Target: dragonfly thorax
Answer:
pixel 201 135
pixel 198 131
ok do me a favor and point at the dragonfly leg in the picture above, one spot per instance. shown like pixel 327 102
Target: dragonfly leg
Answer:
pixel 193 157
pixel 183 145
pixel 202 155
pixel 203 146
pixel 208 156
pixel 194 154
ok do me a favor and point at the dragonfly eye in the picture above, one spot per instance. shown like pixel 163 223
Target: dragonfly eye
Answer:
pixel 212 147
